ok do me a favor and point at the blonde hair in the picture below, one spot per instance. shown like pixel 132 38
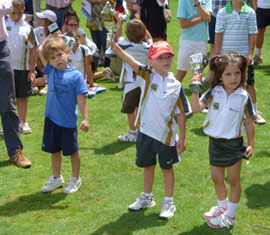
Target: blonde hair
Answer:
pixel 52 45
pixel 18 3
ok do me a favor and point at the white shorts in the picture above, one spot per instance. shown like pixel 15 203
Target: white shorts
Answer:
pixel 186 49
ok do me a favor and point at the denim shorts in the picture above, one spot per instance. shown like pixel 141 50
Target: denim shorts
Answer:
pixel 57 138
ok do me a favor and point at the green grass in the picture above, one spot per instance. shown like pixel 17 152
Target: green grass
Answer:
pixel 111 181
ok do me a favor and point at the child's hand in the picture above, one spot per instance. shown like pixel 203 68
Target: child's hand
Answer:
pixel 84 125
pixel 180 145
pixel 249 152
pixel 196 78
pixel 118 18
pixel 31 77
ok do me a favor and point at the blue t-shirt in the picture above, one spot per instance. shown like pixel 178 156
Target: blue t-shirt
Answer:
pixel 187 10
pixel 63 89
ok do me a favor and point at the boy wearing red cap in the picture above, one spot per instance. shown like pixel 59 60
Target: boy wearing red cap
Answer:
pixel 162 98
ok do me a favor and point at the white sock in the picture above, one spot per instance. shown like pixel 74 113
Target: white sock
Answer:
pixel 258 52
pixel 223 203
pixel 170 199
pixel 148 195
pixel 255 108
pixel 231 209
pixel 132 132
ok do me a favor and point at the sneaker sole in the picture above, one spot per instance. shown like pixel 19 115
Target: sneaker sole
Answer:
pixel 72 191
pixel 52 190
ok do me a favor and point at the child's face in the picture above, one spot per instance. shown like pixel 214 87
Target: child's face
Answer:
pixel 78 42
pixel 59 60
pixel 72 25
pixel 16 14
pixel 231 78
pixel 162 64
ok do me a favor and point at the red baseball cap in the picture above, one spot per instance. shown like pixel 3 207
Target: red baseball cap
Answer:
pixel 159 48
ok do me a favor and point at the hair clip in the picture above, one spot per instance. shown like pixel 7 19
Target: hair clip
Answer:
pixel 219 56
pixel 238 55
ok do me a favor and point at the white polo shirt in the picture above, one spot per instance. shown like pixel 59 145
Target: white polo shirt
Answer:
pixel 21 38
pixel 138 51
pixel 77 59
pixel 161 98
pixel 226 114
pixel 40 34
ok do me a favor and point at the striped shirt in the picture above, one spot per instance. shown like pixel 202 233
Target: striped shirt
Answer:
pixel 59 3
pixel 226 114
pixel 161 98
pixel 236 28
pixel 5 6
pixel 21 38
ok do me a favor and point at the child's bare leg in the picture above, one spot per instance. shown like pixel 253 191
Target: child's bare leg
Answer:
pixel 149 174
pixel 252 92
pixel 56 159
pixel 180 75
pixel 234 181
pixel 75 164
pixel 168 181
pixel 217 174
pixel 38 82
pixel 98 75
pixel 22 108
pixel 131 120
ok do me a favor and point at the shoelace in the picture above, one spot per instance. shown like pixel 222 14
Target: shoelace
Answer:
pixel 225 221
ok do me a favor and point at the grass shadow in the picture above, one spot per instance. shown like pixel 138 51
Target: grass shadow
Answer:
pixel 205 229
pixel 258 195
pixel 6 163
pixel 262 154
pixel 198 131
pixel 32 202
pixel 263 68
pixel 113 148
pixel 130 222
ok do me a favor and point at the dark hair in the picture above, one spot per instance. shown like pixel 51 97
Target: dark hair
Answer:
pixel 220 62
pixel 72 18
pixel 69 13
pixel 135 31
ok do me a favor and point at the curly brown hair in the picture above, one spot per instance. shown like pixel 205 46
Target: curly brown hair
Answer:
pixel 219 62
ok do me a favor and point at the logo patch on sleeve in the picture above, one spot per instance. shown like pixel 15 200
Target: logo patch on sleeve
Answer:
pixel 216 106
pixel 154 87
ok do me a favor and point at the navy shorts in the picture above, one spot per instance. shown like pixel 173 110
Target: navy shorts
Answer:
pixel 212 26
pixel 148 148
pixel 57 138
pixel 263 17
pixel 23 87
pixel 250 78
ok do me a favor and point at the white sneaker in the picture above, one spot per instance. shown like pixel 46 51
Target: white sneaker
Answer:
pixel 129 137
pixel 109 74
pixel 142 202
pixel 1 131
pixel 214 212
pixel 168 209
pixel 221 221
pixel 44 90
pixel 52 184
pixel 35 90
pixel 258 118
pixel 24 128
pixel 73 185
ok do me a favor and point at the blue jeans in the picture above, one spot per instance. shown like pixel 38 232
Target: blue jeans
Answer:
pixel 60 14
pixel 10 120
pixel 99 38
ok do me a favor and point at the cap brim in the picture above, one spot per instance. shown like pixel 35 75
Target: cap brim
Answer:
pixel 161 53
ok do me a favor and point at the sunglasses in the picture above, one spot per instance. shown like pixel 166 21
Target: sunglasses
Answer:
pixel 73 25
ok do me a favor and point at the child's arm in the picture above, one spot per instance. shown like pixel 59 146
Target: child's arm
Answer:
pixel 206 15
pixel 148 36
pixel 32 61
pixel 196 105
pixel 40 54
pixel 83 107
pixel 125 56
pixel 181 144
pixel 118 32
pixel 252 40
pixel 250 129
pixel 218 41
pixel 184 23
pixel 255 4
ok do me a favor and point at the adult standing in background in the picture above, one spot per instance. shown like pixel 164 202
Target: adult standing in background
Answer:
pixel 59 7
pixel 262 8
pixel 10 120
pixel 152 17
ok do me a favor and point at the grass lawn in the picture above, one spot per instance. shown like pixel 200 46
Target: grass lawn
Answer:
pixel 111 181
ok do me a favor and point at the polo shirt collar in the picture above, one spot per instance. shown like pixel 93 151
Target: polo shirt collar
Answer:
pixel 238 91
pixel 170 75
pixel 229 8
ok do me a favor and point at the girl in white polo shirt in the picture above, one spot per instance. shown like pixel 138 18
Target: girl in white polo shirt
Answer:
pixel 229 108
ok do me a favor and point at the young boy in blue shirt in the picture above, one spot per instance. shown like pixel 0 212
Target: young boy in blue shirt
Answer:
pixel 162 99
pixel 66 89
